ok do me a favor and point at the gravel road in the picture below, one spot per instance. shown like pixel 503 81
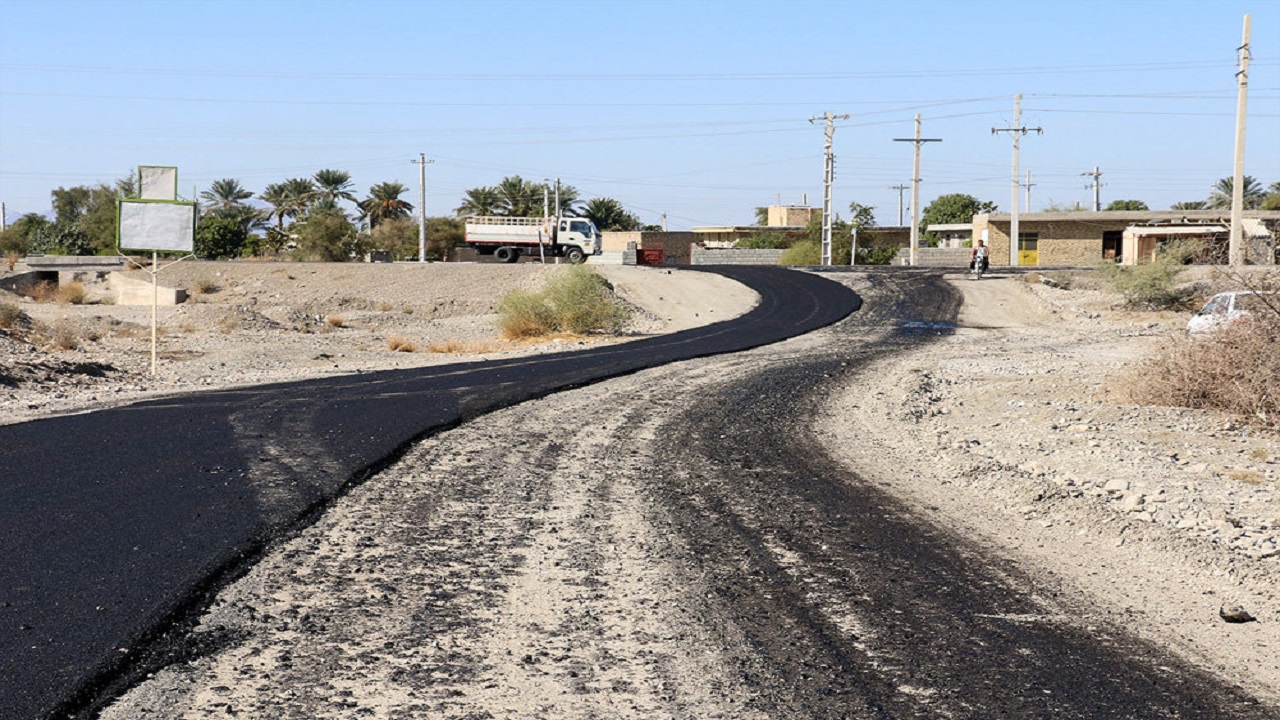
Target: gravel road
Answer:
pixel 678 543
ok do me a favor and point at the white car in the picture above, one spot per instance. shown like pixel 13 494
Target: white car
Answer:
pixel 1228 308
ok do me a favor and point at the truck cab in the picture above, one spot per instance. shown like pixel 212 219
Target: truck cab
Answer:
pixel 581 232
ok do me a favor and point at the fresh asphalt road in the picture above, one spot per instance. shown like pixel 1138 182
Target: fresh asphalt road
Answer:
pixel 116 524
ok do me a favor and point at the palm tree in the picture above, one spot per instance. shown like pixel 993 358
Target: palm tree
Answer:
pixel 225 194
pixel 1222 190
pixel 569 201
pixel 384 203
pixel 519 198
pixel 277 196
pixel 334 185
pixel 480 201
pixel 608 214
pixel 300 192
pixel 1189 205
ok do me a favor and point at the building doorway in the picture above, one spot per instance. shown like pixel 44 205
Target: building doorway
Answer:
pixel 1112 244
pixel 1028 248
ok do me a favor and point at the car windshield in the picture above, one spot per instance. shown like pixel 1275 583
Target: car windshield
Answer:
pixel 581 227
pixel 1216 304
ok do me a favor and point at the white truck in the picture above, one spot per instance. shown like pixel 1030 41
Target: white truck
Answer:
pixel 507 238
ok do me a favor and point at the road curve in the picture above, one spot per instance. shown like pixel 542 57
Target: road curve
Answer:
pixel 116 524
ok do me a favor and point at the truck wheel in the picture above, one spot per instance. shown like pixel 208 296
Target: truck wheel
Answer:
pixel 507 254
pixel 575 255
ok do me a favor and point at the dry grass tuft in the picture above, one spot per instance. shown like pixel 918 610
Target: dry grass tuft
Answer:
pixel 65 336
pixel 72 293
pixel 336 321
pixel 207 286
pixel 43 291
pixel 385 306
pixel 457 347
pixel 10 315
pixel 1248 477
pixel 395 343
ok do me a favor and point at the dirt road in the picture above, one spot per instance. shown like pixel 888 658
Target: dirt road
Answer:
pixel 674 544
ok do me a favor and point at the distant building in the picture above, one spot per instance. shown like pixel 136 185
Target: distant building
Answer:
pixel 791 215
pixel 1129 236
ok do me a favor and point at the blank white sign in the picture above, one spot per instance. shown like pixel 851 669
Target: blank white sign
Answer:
pixel 157 183
pixel 157 226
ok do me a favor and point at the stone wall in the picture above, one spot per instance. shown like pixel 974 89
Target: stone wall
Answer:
pixel 935 257
pixel 734 256
pixel 673 244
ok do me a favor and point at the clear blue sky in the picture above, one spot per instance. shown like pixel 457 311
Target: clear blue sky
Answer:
pixel 696 108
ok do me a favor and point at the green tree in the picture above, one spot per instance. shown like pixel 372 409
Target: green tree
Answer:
pixel 1272 199
pixel 396 235
pixel 384 203
pixel 608 214
pixel 1221 196
pixel 519 198
pixel 1127 205
pixel 18 237
pixel 333 185
pixel 953 208
pixel 1189 205
pixel 766 241
pixel 762 216
pixel 218 238
pixel 84 218
pixel 443 235
pixel 861 216
pixel 327 234
pixel 480 201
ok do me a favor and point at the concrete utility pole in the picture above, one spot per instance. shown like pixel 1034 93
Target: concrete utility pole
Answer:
pixel 1017 131
pixel 828 176
pixel 1028 185
pixel 915 187
pixel 1235 246
pixel 1097 187
pixel 664 222
pixel 422 162
pixel 899 188
pixel 557 197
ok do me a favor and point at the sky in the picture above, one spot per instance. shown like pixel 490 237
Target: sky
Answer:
pixel 696 109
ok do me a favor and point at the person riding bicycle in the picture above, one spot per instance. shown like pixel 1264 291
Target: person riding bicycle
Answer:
pixel 979 260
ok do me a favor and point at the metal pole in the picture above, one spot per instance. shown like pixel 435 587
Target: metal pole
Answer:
pixel 853 247
pixel 828 177
pixel 1235 246
pixel 1028 186
pixel 1097 187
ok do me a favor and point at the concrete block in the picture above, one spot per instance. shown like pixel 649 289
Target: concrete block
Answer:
pixel 137 291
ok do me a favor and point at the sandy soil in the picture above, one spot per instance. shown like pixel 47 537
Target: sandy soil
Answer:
pixel 1015 430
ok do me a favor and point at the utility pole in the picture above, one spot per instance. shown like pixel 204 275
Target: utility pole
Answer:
pixel 422 162
pixel 1097 187
pixel 828 176
pixel 1235 248
pixel 1028 185
pixel 664 222
pixel 899 188
pixel 1017 131
pixel 915 187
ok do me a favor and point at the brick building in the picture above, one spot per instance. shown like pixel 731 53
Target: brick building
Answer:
pixel 1084 238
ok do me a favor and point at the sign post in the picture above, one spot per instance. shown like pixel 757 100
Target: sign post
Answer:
pixel 157 221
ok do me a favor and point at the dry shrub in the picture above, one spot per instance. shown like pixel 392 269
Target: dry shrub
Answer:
pixel 1232 370
pixel 457 347
pixel 43 291
pixel 65 336
pixel 336 321
pixel 385 306
pixel 395 343
pixel 206 286
pixel 11 259
pixel 72 293
pixel 10 315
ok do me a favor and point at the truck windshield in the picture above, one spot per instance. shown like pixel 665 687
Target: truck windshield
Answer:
pixel 580 227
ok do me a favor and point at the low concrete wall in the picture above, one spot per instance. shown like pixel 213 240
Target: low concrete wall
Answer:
pixel 935 257
pixel 137 291
pixel 733 256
